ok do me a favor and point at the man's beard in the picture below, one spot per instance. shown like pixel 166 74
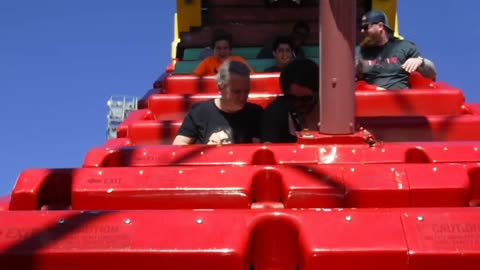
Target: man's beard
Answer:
pixel 371 41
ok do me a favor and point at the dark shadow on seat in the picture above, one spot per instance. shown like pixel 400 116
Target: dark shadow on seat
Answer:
pixel 43 189
pixel 474 189
pixel 56 192
pixel 24 254
pixel 263 156
pixel 274 244
pixel 417 155
pixel 397 128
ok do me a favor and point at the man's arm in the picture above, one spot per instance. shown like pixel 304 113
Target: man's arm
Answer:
pixel 422 65
pixel 417 63
pixel 428 69
pixel 188 132
pixel 412 64
pixel 182 140
pixel 202 68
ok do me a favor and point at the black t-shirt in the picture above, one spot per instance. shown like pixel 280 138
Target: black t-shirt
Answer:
pixel 208 124
pixel 275 126
pixel 382 64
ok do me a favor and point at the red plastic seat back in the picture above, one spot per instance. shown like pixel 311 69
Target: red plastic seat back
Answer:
pixel 191 84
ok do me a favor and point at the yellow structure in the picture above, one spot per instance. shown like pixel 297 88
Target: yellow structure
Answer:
pixel 189 14
pixel 176 37
pixel 390 9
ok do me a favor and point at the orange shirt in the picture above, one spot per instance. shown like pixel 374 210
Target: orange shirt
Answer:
pixel 210 65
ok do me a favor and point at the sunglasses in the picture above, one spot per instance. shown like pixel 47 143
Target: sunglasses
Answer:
pixel 300 99
pixel 366 26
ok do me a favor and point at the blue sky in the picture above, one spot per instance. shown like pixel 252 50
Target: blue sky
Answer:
pixel 61 60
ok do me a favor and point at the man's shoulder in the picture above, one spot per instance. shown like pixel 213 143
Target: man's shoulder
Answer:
pixel 402 42
pixel 202 105
pixel 210 59
pixel 237 58
pixel 253 107
pixel 278 104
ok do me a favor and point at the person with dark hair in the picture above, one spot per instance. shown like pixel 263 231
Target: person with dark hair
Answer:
pixel 227 119
pixel 208 51
pixel 222 51
pixel 298 108
pixel 299 35
pixel 283 53
pixel 384 60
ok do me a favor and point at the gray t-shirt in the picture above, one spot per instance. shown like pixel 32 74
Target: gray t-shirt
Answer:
pixel 382 65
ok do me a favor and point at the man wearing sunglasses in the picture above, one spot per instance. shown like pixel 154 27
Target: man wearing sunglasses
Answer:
pixel 384 60
pixel 298 108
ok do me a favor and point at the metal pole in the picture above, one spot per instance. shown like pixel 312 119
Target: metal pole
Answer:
pixel 337 83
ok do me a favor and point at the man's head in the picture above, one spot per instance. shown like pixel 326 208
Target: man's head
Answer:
pixel 374 28
pixel 233 80
pixel 300 33
pixel 283 50
pixel 222 45
pixel 299 81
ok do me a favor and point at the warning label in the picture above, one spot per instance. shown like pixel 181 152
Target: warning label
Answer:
pixel 69 237
pixel 450 236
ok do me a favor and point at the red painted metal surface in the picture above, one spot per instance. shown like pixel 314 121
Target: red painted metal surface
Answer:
pixel 163 108
pixel 269 154
pixel 290 186
pixel 190 84
pixel 384 128
pixel 134 116
pixel 175 106
pixel 369 103
pixel 447 101
pixel 443 238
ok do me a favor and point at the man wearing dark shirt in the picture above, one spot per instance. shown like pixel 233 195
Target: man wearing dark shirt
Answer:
pixel 298 108
pixel 224 120
pixel 384 60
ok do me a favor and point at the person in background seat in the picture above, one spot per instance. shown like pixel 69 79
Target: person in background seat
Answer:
pixel 299 35
pixel 208 51
pixel 224 120
pixel 283 53
pixel 384 60
pixel 222 51
pixel 298 108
